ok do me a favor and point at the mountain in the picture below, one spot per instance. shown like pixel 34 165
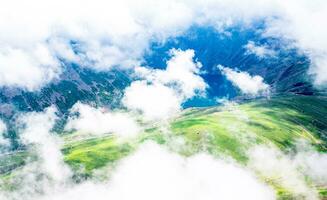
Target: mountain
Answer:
pixel 285 72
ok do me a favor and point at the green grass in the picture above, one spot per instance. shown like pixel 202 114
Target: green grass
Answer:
pixel 236 128
pixel 223 131
pixel 85 156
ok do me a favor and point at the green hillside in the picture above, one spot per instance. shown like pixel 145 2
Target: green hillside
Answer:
pixel 227 132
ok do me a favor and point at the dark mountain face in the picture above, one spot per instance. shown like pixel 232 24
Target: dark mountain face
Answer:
pixel 75 84
pixel 285 72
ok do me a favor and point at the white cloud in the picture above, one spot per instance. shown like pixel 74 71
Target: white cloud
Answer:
pixel 319 70
pixel 252 85
pixel 311 163
pixel 155 101
pixel 36 132
pixel 28 70
pixel 152 172
pixel 261 51
pixel 107 33
pixel 44 171
pixel 98 121
pixel 4 142
pixel 182 72
pixel 274 165
pixel 162 92
pixel 175 177
pixel 314 165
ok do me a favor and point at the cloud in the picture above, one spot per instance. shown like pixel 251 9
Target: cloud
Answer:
pixel 176 177
pixel 28 70
pixel 155 101
pixel 36 133
pixel 98 34
pixel 44 171
pixel 261 51
pixel 283 169
pixel 301 23
pixel 161 92
pixel 152 172
pixel 319 70
pixel 251 85
pixel 4 142
pixel 182 73
pixel 98 121
pixel 311 163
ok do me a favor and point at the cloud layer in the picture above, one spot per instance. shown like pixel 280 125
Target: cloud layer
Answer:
pixel 175 177
pixel 152 172
pixel 37 35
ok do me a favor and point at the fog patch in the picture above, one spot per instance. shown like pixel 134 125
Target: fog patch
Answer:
pixel 312 163
pixel 4 142
pixel 289 170
pixel 98 121
pixel 261 51
pixel 45 169
pixel 47 145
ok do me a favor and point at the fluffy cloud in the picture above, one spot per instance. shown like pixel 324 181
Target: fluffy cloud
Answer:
pixel 36 133
pixel 161 92
pixel 53 26
pixel 182 73
pixel 98 34
pixel 260 51
pixel 155 101
pixel 251 85
pixel 28 70
pixel 90 120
